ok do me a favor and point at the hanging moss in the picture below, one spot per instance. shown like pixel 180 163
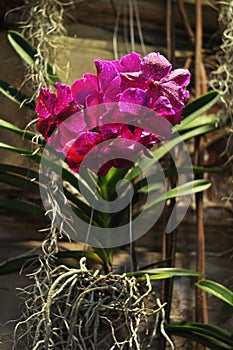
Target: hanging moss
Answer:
pixel 41 21
pixel 223 77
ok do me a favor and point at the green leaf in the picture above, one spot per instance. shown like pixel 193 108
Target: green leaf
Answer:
pixel 108 182
pixel 27 52
pixel 16 96
pixel 163 272
pixel 159 276
pixel 17 263
pixel 155 186
pixel 28 173
pixel 81 209
pixel 198 107
pixel 192 111
pixel 22 46
pixel 103 254
pixel 19 181
pixel 216 289
pixel 67 175
pixel 22 151
pixel 195 169
pixel 202 169
pixel 88 254
pixel 183 190
pixel 11 127
pixel 199 121
pixel 214 337
pixel 160 152
pixel 24 207
pixel 141 186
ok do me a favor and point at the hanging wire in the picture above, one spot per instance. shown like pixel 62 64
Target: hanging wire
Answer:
pixel 126 27
pixel 131 237
pixel 130 12
pixel 89 229
pixel 116 28
pixel 139 26
pixel 131 25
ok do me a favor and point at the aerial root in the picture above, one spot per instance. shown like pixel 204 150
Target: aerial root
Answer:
pixel 85 310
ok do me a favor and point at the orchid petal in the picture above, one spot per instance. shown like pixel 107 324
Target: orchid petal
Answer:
pixel 64 97
pixel 180 77
pixel 133 80
pixel 46 126
pixel 174 93
pixel 132 99
pixel 155 66
pixel 76 150
pixel 68 130
pixel 163 106
pixel 46 103
pixel 83 88
pixel 109 80
pixel 128 63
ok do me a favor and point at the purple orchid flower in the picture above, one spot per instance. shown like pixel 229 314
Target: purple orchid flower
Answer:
pixel 53 108
pixel 129 102
pixel 93 90
pixel 164 89
pixel 76 150
pixel 120 154
pixel 102 88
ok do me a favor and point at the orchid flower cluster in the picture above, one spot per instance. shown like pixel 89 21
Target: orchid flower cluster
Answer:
pixel 122 90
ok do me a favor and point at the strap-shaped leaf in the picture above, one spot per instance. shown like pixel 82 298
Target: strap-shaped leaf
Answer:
pixel 15 95
pixel 214 337
pixel 183 190
pixel 189 188
pixel 29 180
pixel 160 152
pixel 198 107
pixel 141 186
pixel 199 121
pixel 19 181
pixel 163 272
pixel 22 151
pixel 11 127
pixel 22 46
pixel 67 175
pixel 216 289
pixel 192 111
pixel 24 207
pixel 27 52
pixel 28 173
pixel 17 263
pixel 195 169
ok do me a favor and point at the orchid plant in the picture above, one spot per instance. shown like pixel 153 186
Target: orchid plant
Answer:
pixel 107 127
pixel 117 116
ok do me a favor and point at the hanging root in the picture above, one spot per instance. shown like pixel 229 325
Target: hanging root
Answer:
pixel 85 310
